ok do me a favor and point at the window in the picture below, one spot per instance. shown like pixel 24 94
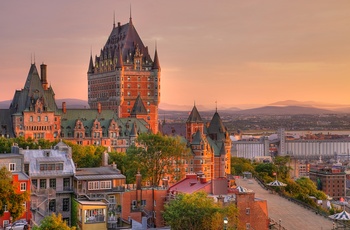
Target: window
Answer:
pixel 43 183
pixel 39 118
pixel 52 205
pixel 93 185
pixel 65 204
pixel 66 183
pixel 52 183
pixel 247 225
pixel 46 118
pixel 105 185
pixel 12 167
pixel 23 186
pixel 24 205
pixel 31 118
pixel 35 182
pixel 143 202
pixel 6 222
pixel 247 211
pixel 111 199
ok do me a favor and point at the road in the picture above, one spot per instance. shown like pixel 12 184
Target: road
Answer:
pixel 292 216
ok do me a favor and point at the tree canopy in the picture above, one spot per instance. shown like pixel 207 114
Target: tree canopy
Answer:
pixel 9 196
pixel 53 222
pixel 198 212
pixel 155 156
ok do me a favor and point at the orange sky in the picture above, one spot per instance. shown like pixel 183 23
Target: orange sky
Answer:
pixel 232 51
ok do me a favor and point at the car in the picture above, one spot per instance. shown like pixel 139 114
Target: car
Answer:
pixel 18 225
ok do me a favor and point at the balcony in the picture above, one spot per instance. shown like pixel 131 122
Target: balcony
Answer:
pixel 94 219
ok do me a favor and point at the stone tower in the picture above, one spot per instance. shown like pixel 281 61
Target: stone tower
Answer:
pixel 124 74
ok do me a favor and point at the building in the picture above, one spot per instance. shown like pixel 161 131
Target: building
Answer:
pixel 253 213
pixel 14 163
pixel 34 114
pixel 98 192
pixel 33 111
pixel 331 179
pixel 124 78
pixel 210 145
pixel 51 172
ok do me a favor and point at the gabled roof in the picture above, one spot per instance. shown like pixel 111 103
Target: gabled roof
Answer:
pixel 197 138
pixel 194 116
pixel 138 108
pixel 33 90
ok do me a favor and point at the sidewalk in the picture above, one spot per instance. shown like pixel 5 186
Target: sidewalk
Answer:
pixel 291 215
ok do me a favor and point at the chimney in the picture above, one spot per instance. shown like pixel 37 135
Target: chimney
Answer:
pixel 43 74
pixel 104 159
pixel 138 180
pixel 203 179
pixel 64 108
pixel 99 109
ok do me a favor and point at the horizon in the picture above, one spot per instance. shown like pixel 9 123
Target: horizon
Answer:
pixel 236 53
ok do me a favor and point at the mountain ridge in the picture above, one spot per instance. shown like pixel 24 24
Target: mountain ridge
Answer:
pixel 279 107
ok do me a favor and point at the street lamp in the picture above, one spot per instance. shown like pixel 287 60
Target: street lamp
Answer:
pixel 225 222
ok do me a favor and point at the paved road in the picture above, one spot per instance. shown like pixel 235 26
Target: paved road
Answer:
pixel 292 216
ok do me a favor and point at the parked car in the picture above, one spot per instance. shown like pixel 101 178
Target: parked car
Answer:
pixel 18 225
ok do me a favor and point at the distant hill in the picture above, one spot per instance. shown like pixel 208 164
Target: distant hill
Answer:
pixel 71 103
pixel 290 107
pixel 5 104
pixel 284 110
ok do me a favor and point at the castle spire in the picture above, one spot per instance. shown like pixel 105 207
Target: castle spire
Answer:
pixel 113 19
pixel 156 60
pixel 91 65
pixel 130 19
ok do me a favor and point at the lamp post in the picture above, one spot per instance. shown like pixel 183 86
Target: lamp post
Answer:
pixel 225 222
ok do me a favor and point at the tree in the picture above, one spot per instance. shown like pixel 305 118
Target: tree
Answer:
pixel 9 197
pixel 53 222
pixel 156 156
pixel 240 165
pixel 198 211
pixel 282 168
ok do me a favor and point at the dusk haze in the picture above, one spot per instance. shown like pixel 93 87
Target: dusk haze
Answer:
pixel 233 52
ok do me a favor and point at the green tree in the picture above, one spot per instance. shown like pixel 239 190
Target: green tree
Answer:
pixel 282 168
pixel 156 156
pixel 9 196
pixel 198 212
pixel 86 156
pixel 240 165
pixel 53 222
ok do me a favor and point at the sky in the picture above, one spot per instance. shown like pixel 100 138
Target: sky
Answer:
pixel 229 52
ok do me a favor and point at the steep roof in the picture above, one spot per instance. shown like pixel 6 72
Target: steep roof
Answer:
pixel 194 116
pixel 32 91
pixel 88 117
pixel 138 108
pixel 124 39
pixel 6 127
pixel 216 129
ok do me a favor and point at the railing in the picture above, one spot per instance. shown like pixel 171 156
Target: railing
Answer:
pixel 95 219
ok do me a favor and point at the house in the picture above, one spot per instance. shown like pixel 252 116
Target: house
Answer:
pixel 14 163
pixel 51 172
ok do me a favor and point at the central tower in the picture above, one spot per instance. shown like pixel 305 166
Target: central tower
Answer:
pixel 123 74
